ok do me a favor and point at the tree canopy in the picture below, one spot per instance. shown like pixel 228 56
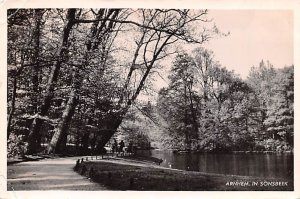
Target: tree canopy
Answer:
pixel 75 77
pixel 75 73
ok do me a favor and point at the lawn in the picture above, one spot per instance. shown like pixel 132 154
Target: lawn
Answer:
pixel 128 177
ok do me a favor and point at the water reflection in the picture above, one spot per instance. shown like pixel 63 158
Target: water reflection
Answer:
pixel 259 165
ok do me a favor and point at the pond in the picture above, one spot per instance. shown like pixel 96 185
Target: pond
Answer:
pixel 245 164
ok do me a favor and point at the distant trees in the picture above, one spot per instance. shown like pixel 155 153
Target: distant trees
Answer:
pixel 137 127
pixel 280 114
pixel 274 90
pixel 178 103
pixel 209 108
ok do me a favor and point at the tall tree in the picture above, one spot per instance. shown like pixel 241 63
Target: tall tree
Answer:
pixel 157 30
pixel 23 57
pixel 53 77
pixel 96 75
pixel 259 79
pixel 220 108
pixel 99 34
pixel 280 113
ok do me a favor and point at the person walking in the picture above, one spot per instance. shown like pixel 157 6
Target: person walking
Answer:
pixel 121 146
pixel 115 146
pixel 130 148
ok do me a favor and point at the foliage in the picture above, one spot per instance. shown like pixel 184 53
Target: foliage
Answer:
pixel 273 145
pixel 280 114
pixel 16 145
pixel 75 75
pixel 141 127
pixel 224 112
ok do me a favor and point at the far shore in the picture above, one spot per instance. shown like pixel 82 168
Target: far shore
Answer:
pixel 229 152
pixel 40 156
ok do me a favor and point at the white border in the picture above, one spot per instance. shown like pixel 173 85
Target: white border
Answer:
pixel 192 4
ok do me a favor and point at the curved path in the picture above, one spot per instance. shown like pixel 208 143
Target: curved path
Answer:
pixel 48 174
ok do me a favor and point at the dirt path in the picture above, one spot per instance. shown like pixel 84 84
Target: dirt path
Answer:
pixel 48 174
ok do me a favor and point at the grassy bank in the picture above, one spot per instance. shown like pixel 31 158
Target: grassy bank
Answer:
pixel 128 177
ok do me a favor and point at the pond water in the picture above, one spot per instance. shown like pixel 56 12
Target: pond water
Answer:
pixel 245 164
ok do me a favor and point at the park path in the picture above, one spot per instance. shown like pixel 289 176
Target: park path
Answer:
pixel 48 174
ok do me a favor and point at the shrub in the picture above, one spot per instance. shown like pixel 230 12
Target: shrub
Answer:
pixel 274 145
pixel 16 145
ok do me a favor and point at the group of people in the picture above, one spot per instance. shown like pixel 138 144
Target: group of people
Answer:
pixel 119 148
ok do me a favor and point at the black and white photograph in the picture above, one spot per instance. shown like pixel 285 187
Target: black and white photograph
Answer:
pixel 149 99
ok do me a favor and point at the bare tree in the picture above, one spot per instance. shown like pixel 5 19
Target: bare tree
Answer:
pixel 158 29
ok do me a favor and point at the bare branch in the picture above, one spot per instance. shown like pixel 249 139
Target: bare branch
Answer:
pixel 177 32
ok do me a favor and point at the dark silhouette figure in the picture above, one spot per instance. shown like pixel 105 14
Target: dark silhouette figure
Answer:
pixel 115 146
pixel 130 148
pixel 121 146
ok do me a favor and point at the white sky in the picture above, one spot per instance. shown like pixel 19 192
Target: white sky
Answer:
pixel 254 35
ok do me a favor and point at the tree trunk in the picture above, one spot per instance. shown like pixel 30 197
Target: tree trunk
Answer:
pixel 110 130
pixel 37 123
pixel 85 144
pixel 187 133
pixel 12 107
pixel 35 77
pixel 195 124
pixel 115 122
pixel 58 141
pixel 35 57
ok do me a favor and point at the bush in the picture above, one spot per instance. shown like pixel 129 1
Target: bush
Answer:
pixel 274 145
pixel 16 145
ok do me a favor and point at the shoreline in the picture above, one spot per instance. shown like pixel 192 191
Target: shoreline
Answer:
pixel 230 152
pixel 118 174
pixel 123 174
